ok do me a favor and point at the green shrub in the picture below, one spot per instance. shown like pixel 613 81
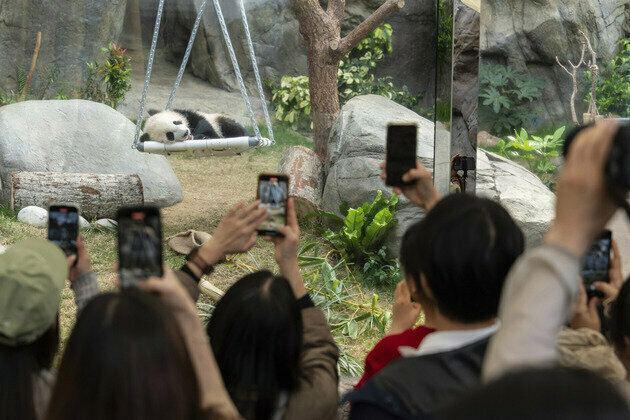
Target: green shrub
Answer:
pixel 360 235
pixel 613 92
pixel 506 93
pixel 291 99
pixel 108 82
pixel 445 30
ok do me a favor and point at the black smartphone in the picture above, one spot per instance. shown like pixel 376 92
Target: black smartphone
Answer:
pixel 63 227
pixel 596 263
pixel 401 152
pixel 273 192
pixel 139 244
pixel 464 163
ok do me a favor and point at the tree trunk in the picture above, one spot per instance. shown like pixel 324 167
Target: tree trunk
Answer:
pixel 307 178
pixel 98 195
pixel 324 101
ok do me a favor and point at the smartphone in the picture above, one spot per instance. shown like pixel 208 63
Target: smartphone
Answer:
pixel 273 192
pixel 63 227
pixel 596 263
pixel 401 152
pixel 464 163
pixel 139 244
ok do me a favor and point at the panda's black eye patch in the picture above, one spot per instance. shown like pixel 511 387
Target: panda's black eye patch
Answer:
pixel 177 122
pixel 170 136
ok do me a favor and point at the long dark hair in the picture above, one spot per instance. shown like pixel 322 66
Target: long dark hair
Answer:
pixel 256 335
pixel 620 318
pixel 19 367
pixel 126 359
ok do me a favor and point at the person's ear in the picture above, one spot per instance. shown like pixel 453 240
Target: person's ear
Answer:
pixel 626 341
pixel 413 288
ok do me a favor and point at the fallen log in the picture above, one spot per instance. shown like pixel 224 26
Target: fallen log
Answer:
pixel 306 173
pixel 98 195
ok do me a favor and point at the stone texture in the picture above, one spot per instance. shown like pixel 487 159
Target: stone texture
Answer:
pixel 357 148
pixel 34 216
pixel 529 34
pixel 73 33
pixel 485 139
pixel 107 223
pixel 82 137
pixel 83 223
pixel 2 249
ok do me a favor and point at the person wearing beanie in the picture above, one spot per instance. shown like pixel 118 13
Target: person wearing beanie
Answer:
pixel 32 275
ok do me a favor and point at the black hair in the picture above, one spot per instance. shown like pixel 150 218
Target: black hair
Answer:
pixel 19 368
pixel 256 334
pixel 619 323
pixel 558 393
pixel 465 247
pixel 126 359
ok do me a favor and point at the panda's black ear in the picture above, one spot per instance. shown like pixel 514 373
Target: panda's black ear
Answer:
pixel 144 137
pixel 153 111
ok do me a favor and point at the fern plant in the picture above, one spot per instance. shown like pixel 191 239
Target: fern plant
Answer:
pixel 613 91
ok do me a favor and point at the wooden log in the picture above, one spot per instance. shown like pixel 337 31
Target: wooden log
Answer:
pixel 98 195
pixel 306 173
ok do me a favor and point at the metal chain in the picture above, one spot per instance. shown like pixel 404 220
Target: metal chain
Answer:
pixel 147 79
pixel 239 77
pixel 191 41
pixel 252 54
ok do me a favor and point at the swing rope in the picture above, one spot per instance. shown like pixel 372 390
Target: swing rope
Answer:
pixel 252 54
pixel 147 79
pixel 226 36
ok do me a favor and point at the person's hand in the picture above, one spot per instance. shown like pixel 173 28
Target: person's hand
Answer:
pixel 583 205
pixel 80 263
pixel 585 314
pixel 405 312
pixel 615 273
pixel 171 290
pixel 422 192
pixel 287 250
pixel 236 233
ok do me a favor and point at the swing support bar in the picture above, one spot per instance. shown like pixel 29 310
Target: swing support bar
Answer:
pixel 225 146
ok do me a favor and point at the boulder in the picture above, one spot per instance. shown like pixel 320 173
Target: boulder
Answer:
pixel 530 34
pixel 107 223
pixel 357 147
pixel 34 216
pixel 2 249
pixel 485 140
pixel 81 137
pixel 83 223
pixel 73 33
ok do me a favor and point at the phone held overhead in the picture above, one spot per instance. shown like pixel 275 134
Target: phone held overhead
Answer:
pixel 596 264
pixel 63 227
pixel 401 152
pixel 139 244
pixel 273 192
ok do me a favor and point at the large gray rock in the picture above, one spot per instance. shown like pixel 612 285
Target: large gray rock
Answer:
pixel 73 33
pixel 357 147
pixel 529 34
pixel 82 137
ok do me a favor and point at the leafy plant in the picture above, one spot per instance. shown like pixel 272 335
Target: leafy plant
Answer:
pixel 291 97
pixel 613 92
pixel 506 93
pixel 108 82
pixel 445 29
pixel 537 151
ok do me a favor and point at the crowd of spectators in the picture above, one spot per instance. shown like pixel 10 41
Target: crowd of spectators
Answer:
pixel 507 332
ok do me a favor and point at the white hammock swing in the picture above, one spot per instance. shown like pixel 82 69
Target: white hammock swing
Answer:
pixel 221 146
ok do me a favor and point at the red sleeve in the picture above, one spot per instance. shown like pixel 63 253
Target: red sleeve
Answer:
pixel 386 350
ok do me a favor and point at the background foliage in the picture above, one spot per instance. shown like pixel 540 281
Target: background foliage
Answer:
pixel 613 84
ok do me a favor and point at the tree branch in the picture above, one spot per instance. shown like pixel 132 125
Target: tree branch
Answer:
pixel 309 14
pixel 335 10
pixel 341 47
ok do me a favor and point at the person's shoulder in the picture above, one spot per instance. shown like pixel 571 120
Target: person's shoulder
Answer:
pixel 387 348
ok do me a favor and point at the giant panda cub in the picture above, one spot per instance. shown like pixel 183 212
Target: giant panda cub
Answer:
pixel 179 125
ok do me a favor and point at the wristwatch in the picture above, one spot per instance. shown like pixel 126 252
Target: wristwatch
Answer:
pixel 196 259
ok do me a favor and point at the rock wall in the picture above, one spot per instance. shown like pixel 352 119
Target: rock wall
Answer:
pixel 530 33
pixel 73 32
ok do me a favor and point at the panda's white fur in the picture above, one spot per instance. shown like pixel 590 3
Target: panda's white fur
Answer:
pixel 179 125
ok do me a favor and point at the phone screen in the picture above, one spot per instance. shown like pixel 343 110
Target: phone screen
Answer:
pixel 273 193
pixel 63 228
pixel 139 244
pixel 401 152
pixel 596 262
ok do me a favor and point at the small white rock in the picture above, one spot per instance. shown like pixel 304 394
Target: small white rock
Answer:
pixel 2 249
pixel 34 216
pixel 83 224
pixel 107 223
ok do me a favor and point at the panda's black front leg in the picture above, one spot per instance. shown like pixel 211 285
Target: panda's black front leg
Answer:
pixel 204 130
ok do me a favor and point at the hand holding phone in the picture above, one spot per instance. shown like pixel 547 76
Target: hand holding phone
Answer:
pixel 139 244
pixel 273 193
pixel 400 153
pixel 63 227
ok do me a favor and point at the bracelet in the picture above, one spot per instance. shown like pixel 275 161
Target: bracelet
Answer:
pixel 194 258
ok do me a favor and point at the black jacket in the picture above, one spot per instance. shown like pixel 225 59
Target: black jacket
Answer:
pixel 416 387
